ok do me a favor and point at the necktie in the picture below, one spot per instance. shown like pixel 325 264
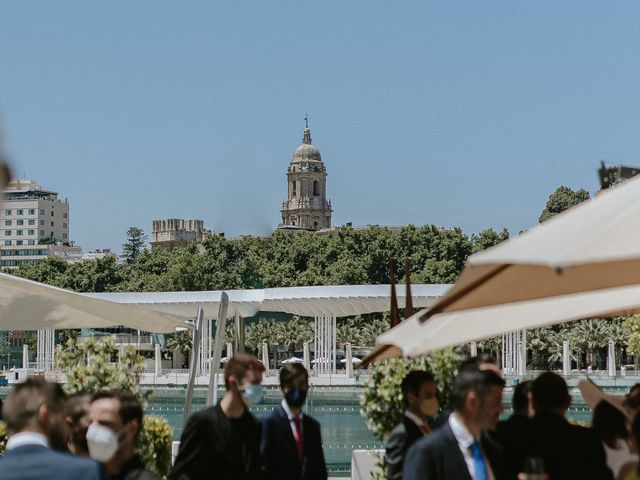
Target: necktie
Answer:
pixel 426 429
pixel 299 439
pixel 479 464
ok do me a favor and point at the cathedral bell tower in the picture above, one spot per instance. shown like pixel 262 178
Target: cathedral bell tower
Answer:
pixel 307 207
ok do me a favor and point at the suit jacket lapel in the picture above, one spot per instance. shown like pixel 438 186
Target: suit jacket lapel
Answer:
pixel 457 457
pixel 285 424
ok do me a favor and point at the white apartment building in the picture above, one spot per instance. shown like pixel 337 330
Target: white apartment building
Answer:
pixel 34 225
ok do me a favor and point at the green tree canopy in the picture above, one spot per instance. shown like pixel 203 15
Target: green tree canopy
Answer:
pixel 562 199
pixel 135 244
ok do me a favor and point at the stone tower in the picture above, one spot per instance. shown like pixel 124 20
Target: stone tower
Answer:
pixel 307 206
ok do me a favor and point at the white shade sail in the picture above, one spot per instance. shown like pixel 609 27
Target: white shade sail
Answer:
pixel 336 300
pixel 28 305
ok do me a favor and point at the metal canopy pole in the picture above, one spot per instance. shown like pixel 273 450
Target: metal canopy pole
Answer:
pixel 193 365
pixel 212 394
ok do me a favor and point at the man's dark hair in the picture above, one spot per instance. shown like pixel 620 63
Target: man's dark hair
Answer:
pixel 239 364
pixel 76 405
pixel 473 380
pixel 549 391
pixel 412 382
pixel 290 372
pixel 130 407
pixel 520 400
pixel 24 401
pixel 473 363
pixel 609 423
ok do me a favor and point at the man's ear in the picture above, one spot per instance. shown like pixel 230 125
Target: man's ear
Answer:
pixel 135 427
pixel 43 415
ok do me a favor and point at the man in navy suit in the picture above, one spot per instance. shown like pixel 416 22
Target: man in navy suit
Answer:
pixel 291 445
pixel 460 448
pixel 35 416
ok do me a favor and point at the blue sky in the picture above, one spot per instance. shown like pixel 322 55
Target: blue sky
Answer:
pixel 450 113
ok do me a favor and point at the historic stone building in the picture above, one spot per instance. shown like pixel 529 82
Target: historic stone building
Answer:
pixel 307 206
pixel 174 232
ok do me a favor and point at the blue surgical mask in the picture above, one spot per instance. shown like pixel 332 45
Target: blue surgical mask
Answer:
pixel 252 393
pixel 296 397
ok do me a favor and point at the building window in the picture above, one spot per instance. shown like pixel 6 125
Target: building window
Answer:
pixel 7 233
pixel 31 232
pixel 64 235
pixel 293 188
pixel 32 211
pixel 19 222
pixel 19 211
pixel 52 213
pixel 316 190
pixel 7 212
pixel 42 222
pixel 51 236
pixel 7 243
pixel 31 242
pixel 65 215
pixel 7 223
pixel 64 225
pixel 32 222
pixel 42 233
pixel 19 232
pixel 52 224
pixel 42 211
pixel 18 242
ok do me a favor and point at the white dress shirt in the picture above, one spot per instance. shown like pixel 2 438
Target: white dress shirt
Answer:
pixel 465 440
pixel 291 417
pixel 27 438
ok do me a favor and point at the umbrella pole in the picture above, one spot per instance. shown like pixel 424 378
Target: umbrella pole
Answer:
pixel 193 365
pixel 212 393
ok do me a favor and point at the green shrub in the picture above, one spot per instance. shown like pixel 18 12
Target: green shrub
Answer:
pixel 154 444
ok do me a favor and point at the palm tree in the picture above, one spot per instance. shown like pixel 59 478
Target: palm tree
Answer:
pixel 589 336
pixel 181 341
pixel 296 331
pixel 264 331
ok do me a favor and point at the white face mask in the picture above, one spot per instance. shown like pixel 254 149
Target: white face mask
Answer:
pixel 102 442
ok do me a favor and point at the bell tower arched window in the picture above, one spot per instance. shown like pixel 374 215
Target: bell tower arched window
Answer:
pixel 316 189
pixel 293 188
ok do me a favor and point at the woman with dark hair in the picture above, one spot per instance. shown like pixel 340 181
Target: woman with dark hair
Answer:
pixel 610 424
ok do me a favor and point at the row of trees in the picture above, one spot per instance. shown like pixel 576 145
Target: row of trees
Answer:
pixel 346 256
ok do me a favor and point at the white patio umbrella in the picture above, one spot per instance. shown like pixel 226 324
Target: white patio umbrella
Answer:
pixel 354 360
pixel 582 263
pixel 29 305
pixel 293 360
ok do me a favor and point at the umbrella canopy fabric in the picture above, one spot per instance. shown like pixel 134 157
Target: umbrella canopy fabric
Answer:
pixel 29 305
pixel 414 338
pixel 592 246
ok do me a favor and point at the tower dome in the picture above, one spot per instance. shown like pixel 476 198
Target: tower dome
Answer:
pixel 306 151
pixel 307 206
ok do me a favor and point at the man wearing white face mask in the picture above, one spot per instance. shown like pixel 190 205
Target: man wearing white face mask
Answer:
pixel 116 421
pixel 223 442
pixel 421 404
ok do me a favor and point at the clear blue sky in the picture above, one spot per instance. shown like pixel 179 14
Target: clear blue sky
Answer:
pixel 450 113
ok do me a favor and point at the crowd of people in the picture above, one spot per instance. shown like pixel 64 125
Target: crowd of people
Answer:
pixel 94 436
pixel 536 442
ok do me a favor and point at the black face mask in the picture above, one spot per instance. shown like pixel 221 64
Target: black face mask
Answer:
pixel 296 397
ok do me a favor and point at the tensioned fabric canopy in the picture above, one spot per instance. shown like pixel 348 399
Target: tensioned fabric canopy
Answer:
pixel 29 305
pixel 337 300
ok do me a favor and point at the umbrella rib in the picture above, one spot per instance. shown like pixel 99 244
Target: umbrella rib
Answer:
pixel 440 306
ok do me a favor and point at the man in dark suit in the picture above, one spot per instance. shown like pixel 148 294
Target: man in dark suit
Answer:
pixel 419 397
pixel 458 449
pixel 35 416
pixel 223 442
pixel 291 446
pixel 511 434
pixel 567 451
